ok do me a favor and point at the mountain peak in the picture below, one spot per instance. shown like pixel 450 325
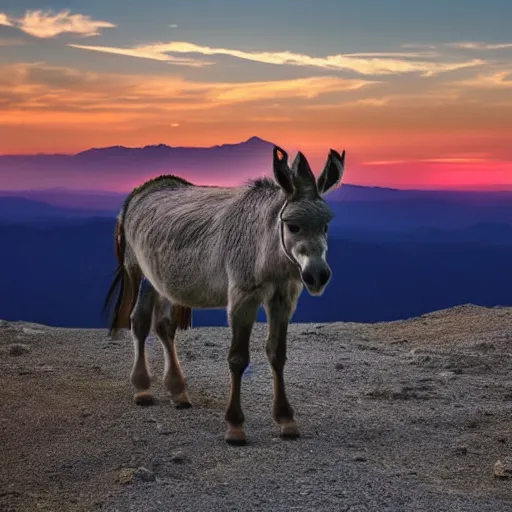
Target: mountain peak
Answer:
pixel 254 140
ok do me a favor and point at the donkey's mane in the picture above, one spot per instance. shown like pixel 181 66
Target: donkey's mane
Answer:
pixel 266 183
pixel 156 183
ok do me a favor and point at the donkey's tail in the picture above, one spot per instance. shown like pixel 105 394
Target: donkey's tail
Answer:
pixel 182 316
pixel 127 284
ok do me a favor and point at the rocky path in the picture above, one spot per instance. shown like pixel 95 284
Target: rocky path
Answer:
pixel 402 416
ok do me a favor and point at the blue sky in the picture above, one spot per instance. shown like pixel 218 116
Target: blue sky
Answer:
pixel 314 28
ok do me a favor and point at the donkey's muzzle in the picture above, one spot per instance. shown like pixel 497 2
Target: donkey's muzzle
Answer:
pixel 316 279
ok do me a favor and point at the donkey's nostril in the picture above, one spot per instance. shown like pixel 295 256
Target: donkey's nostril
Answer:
pixel 308 278
pixel 324 276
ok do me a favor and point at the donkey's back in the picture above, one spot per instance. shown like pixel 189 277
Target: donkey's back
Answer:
pixel 177 236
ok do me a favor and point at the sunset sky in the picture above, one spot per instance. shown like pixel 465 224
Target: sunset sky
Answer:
pixel 418 93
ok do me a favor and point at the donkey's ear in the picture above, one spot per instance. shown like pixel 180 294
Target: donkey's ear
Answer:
pixel 304 179
pixel 282 171
pixel 332 173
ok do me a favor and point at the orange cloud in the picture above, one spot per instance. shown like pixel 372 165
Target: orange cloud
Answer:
pixel 365 64
pixel 496 80
pixel 61 95
pixel 45 25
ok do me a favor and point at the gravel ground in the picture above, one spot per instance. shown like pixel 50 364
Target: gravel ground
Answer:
pixel 401 416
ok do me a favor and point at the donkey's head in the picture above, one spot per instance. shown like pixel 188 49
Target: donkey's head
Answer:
pixel 305 215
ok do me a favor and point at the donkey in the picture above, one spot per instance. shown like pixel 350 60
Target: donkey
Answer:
pixel 182 246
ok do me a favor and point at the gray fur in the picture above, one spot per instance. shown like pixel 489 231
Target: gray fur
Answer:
pixel 215 247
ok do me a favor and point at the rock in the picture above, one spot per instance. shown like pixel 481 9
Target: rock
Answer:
pixel 18 349
pixel 503 468
pixel 460 450
pixel 125 475
pixel 144 474
pixel 30 330
pixel 178 456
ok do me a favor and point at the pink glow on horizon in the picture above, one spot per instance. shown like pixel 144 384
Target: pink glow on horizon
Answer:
pixel 436 174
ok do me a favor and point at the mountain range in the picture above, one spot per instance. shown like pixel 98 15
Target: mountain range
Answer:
pixel 394 253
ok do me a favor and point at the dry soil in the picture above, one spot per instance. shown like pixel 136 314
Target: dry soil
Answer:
pixel 401 416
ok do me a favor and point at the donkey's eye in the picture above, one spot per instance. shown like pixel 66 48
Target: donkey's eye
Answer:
pixel 294 228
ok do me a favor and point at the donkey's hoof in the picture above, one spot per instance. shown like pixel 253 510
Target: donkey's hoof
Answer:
pixel 144 398
pixel 181 401
pixel 289 430
pixel 183 405
pixel 235 436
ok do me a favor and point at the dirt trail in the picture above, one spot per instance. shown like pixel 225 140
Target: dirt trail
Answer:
pixel 400 416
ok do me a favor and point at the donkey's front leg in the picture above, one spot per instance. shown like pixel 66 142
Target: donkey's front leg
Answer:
pixel 279 309
pixel 242 312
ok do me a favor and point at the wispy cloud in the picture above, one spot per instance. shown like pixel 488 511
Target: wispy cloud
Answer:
pixel 40 90
pixel 496 80
pixel 46 24
pixel 454 159
pixel 393 55
pixel 145 52
pixel 4 20
pixel 419 46
pixel 479 46
pixel 365 64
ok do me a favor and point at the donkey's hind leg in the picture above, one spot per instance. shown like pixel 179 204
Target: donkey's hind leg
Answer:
pixel 165 327
pixel 140 327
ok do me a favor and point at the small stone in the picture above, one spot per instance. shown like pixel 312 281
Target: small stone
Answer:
pixel 85 413
pixel 178 456
pixel 18 349
pixel 339 366
pixel 503 468
pixel 144 474
pixel 125 475
pixel 472 424
pixel 163 430
pixel 359 458
pixel 460 450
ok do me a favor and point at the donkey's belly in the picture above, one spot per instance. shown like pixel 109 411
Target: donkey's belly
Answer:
pixel 193 289
pixel 198 298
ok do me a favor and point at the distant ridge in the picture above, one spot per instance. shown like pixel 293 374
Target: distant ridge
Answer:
pixel 121 167
pixel 253 141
